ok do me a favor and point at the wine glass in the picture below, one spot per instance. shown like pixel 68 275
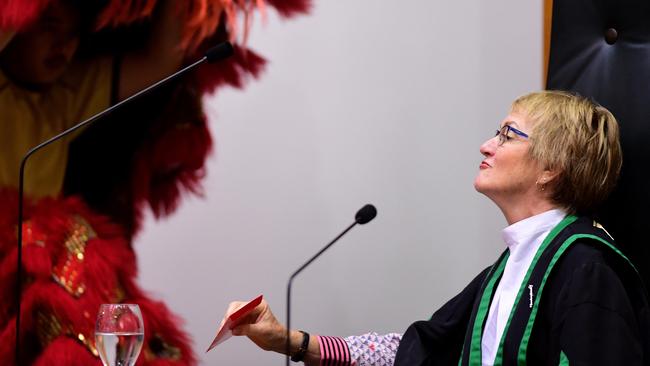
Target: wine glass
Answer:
pixel 119 333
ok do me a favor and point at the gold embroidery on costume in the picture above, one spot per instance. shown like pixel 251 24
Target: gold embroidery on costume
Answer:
pixel 49 328
pixel 89 342
pixel 68 273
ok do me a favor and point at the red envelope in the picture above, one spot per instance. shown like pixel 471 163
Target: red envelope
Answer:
pixel 225 331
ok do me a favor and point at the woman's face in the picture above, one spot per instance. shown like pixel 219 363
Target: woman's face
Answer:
pixel 508 174
pixel 40 54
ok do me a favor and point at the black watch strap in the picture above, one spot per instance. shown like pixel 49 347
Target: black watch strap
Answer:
pixel 300 354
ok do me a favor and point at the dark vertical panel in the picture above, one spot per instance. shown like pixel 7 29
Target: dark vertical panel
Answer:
pixel 601 49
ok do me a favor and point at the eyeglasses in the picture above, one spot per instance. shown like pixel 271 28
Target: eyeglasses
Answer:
pixel 504 134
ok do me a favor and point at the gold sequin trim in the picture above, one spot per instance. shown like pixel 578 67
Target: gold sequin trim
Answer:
pixel 49 328
pixel 69 273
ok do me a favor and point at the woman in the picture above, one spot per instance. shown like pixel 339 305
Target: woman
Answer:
pixel 560 294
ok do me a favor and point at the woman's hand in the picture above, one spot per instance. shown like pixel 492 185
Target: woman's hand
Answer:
pixel 261 326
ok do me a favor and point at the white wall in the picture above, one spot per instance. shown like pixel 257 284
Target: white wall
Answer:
pixel 363 101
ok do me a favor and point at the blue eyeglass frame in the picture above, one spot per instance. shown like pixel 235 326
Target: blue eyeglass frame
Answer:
pixel 503 131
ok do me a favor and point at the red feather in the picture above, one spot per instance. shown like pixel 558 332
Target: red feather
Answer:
pixel 290 8
pixel 108 273
pixel 234 72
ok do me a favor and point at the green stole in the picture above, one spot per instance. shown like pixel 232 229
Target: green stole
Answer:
pixel 554 245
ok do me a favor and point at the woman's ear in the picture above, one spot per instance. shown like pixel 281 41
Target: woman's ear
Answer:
pixel 548 176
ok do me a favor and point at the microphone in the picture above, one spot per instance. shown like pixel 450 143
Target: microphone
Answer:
pixel 219 52
pixel 363 216
pixel 214 54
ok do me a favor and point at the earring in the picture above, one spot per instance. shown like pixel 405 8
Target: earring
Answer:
pixel 542 185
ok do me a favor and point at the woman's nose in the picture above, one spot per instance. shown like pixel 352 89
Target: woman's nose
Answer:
pixel 488 147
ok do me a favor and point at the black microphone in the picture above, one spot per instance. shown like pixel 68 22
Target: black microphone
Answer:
pixel 214 54
pixel 219 52
pixel 363 216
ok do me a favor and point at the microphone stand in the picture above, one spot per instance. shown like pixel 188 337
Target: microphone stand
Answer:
pixel 216 53
pixel 291 282
pixel 362 217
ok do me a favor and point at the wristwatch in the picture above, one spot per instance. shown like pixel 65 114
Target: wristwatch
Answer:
pixel 300 354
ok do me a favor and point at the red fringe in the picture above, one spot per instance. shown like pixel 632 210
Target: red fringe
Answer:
pixel 290 8
pixel 124 12
pixel 111 266
pixel 232 73
pixel 201 18
pixel 171 164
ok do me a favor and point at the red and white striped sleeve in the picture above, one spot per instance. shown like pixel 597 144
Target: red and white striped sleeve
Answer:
pixel 334 351
pixel 369 349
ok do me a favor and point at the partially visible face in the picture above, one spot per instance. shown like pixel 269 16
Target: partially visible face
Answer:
pixel 40 55
pixel 507 172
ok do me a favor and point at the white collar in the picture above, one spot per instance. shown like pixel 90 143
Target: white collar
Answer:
pixel 527 230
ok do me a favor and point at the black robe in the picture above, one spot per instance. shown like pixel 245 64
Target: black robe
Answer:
pixel 593 310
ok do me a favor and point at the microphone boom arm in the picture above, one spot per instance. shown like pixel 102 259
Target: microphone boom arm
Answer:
pixel 288 346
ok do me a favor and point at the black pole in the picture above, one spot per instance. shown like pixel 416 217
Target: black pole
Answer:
pixel 288 343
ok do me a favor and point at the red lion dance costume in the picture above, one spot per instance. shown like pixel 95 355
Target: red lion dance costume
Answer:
pixel 77 246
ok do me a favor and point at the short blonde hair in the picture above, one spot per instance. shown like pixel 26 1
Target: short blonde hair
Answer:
pixel 580 139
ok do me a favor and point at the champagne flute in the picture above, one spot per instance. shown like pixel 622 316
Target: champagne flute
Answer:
pixel 119 334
